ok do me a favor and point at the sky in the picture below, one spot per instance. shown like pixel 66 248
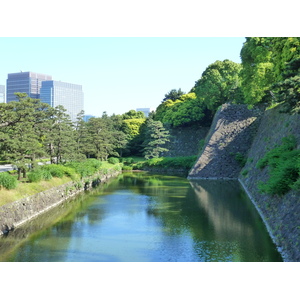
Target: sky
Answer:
pixel 118 74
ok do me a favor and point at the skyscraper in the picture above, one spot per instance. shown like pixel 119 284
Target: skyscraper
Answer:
pixel 24 82
pixel 2 93
pixel 69 95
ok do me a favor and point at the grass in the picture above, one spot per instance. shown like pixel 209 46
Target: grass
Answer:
pixel 67 174
pixel 25 189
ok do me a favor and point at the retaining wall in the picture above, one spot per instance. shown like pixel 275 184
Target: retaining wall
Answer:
pixel 231 134
pixel 16 213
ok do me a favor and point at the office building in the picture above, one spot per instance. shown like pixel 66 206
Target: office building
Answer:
pixel 87 117
pixel 146 111
pixel 2 93
pixel 69 95
pixel 24 82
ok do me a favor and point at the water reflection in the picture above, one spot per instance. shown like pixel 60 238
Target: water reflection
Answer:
pixel 145 217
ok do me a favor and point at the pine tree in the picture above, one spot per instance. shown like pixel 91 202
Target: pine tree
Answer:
pixel 156 137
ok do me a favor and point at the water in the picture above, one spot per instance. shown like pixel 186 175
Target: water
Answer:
pixel 141 217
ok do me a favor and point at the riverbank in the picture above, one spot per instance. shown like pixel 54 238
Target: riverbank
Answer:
pixel 16 213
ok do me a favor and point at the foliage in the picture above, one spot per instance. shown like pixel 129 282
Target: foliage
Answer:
pixel 113 160
pixel 240 158
pixel 284 167
pixel 132 114
pixel 156 137
pixel 85 168
pixel 173 95
pixel 185 111
pixel 184 162
pixel 267 63
pixel 219 83
pixel 39 174
pixel 8 181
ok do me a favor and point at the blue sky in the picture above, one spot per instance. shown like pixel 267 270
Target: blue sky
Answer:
pixel 118 73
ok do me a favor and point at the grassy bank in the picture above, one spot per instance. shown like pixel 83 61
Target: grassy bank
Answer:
pixel 48 176
pixel 182 163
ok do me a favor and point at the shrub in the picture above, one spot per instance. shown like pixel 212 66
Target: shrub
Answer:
pixel 127 168
pixel 184 162
pixel 113 160
pixel 55 170
pixel 7 181
pixel 39 174
pixel 284 168
pixel 35 176
pixel 85 168
pixel 241 159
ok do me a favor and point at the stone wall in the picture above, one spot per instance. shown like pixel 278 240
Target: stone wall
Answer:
pixel 185 141
pixel 16 213
pixel 231 134
pixel 281 214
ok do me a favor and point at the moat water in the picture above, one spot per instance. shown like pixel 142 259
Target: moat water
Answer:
pixel 142 217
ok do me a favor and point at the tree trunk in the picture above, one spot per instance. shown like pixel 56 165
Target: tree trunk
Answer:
pixel 24 172
pixel 19 173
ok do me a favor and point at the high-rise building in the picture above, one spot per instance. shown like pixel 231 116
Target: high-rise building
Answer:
pixel 24 82
pixel 69 95
pixel 87 117
pixel 146 111
pixel 2 93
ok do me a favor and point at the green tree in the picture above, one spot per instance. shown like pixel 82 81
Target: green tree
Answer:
pixel 132 114
pixel 61 138
pixel 156 137
pixel 173 95
pixel 100 142
pixel 22 131
pixel 219 83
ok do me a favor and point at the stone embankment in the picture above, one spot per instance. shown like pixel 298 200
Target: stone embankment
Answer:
pixel 281 214
pixel 16 213
pixel 252 134
pixel 184 141
pixel 227 143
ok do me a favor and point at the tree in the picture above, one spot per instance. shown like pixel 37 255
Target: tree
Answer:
pixel 22 131
pixel 265 61
pixel 173 95
pixel 156 137
pixel 100 142
pixel 220 83
pixel 132 114
pixel 61 139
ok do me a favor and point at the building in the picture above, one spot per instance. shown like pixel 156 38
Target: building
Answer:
pixel 24 82
pixel 2 93
pixel 87 117
pixel 146 111
pixel 69 95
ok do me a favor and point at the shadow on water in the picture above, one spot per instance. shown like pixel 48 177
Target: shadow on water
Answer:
pixel 147 217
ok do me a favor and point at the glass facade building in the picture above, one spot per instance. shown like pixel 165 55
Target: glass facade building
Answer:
pixel 2 93
pixel 69 95
pixel 24 82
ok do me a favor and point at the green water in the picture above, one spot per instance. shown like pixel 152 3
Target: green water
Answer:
pixel 141 217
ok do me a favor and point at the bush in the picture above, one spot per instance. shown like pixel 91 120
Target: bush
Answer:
pixel 7 181
pixel 284 168
pixel 86 168
pixel 127 168
pixel 55 170
pixel 113 160
pixel 184 162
